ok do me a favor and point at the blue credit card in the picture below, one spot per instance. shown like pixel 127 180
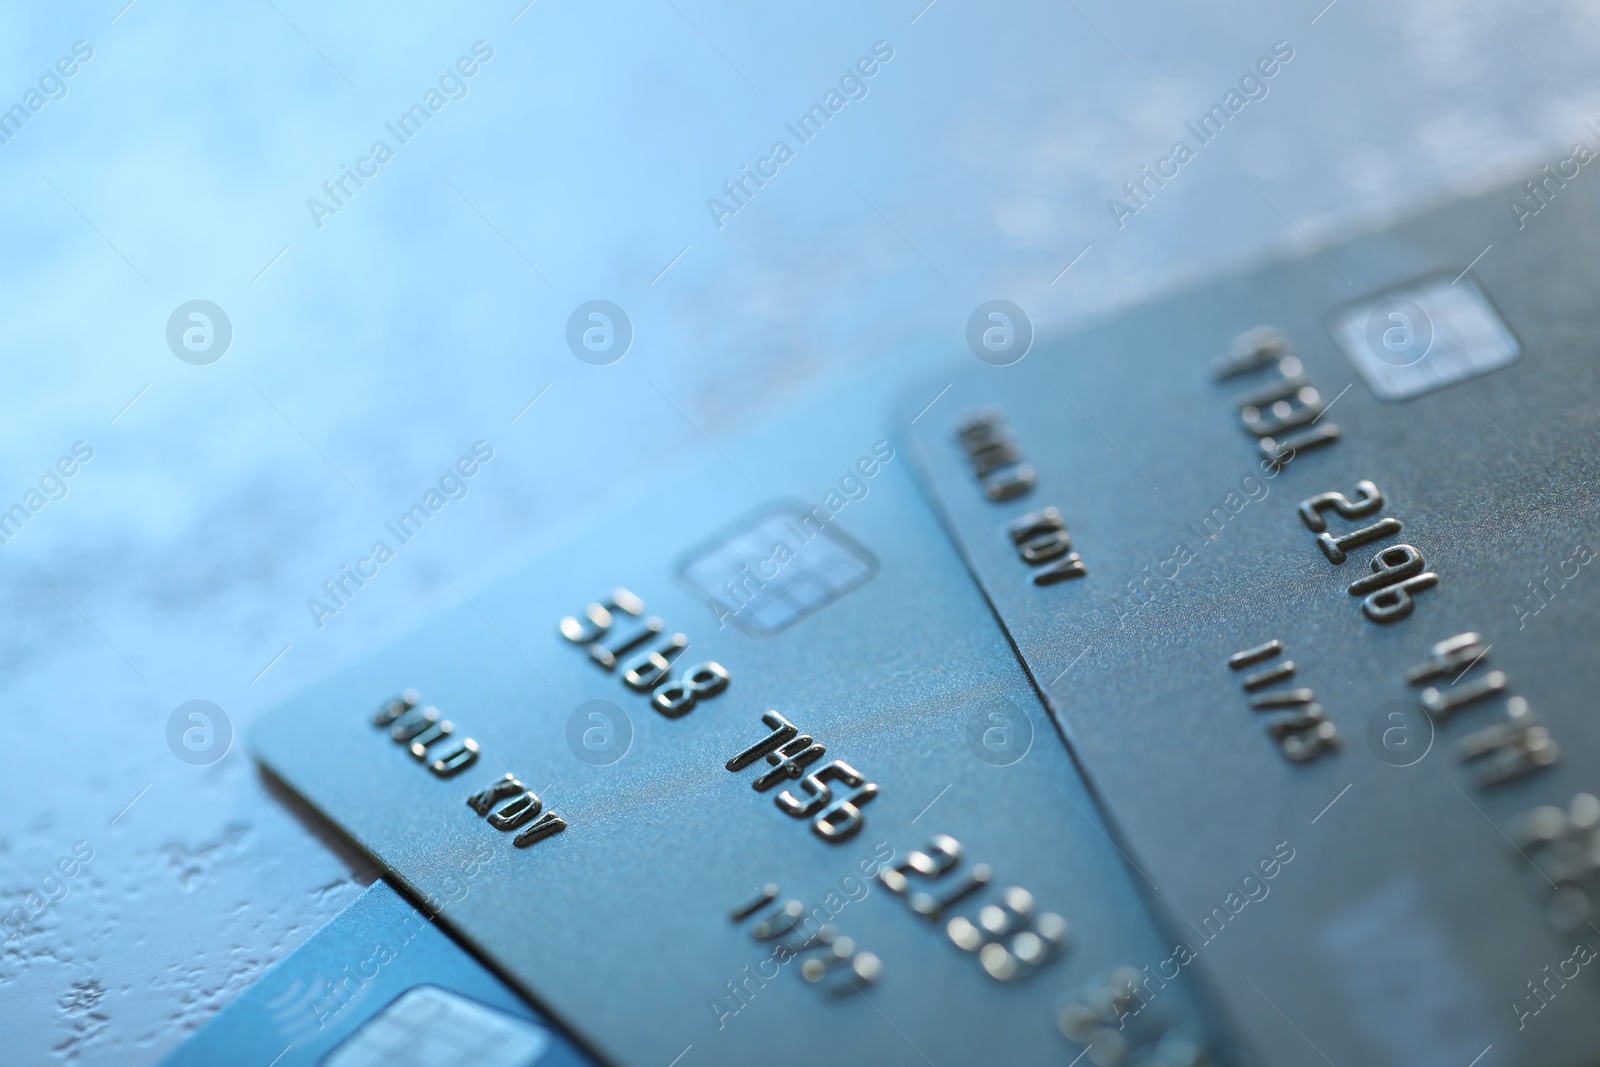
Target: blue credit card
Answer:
pixel 380 986
pixel 756 771
pixel 1303 563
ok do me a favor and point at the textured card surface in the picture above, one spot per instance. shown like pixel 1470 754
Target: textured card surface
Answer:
pixel 755 770
pixel 380 986
pixel 1303 561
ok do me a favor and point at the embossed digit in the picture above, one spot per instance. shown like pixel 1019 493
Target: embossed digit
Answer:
pixel 941 856
pixel 1369 501
pixel 1395 603
pixel 438 731
pixel 782 730
pixel 492 794
pixel 549 824
pixel 1011 939
pixel 842 819
pixel 827 951
pixel 819 793
pixel 458 759
pixel 1394 564
pixel 397 707
pixel 607 650
pixel 789 761
pixel 700 682
pixel 598 617
pixel 1305 735
pixel 523 809
pixel 1335 547
pixel 651 668
pixel 413 723
pixel 1285 405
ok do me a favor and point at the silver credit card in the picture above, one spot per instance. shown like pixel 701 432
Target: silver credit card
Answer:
pixel 1303 560
pixel 753 767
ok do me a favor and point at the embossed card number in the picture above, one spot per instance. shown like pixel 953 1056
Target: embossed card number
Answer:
pixel 833 817
pixel 1011 938
pixel 1397 571
pixel 789 753
pixel 650 668
pixel 1284 413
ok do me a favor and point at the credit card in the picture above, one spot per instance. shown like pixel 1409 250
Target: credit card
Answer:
pixel 1302 562
pixel 757 771
pixel 379 986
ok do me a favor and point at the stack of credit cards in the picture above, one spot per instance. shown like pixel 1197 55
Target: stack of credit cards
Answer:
pixel 745 770
pixel 1261 737
pixel 1306 557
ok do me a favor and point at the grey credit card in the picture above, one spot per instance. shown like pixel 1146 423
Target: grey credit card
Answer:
pixel 1306 556
pixel 760 780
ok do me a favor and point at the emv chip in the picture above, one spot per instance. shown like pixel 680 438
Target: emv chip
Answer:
pixel 776 567
pixel 432 1027
pixel 1423 336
